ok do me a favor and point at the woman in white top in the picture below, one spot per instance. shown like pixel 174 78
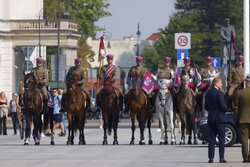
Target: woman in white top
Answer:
pixel 3 113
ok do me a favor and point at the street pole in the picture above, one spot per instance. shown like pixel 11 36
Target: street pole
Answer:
pixel 58 45
pixel 39 32
pixel 246 37
pixel 138 36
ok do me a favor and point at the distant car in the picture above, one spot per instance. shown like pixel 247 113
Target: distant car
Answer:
pixel 232 133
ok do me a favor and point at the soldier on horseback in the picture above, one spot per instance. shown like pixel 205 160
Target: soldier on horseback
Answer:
pixel 108 78
pixel 79 75
pixel 166 72
pixel 190 71
pixel 41 76
pixel 207 72
pixel 236 76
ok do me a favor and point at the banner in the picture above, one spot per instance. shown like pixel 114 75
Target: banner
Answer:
pixel 148 83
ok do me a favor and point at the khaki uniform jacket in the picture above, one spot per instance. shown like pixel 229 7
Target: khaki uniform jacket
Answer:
pixel 41 77
pixel 134 73
pixel 236 75
pixel 165 73
pixel 242 106
pixel 205 73
pixel 111 78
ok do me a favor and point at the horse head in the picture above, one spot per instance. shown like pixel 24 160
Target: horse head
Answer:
pixel 29 80
pixel 163 93
pixel 185 80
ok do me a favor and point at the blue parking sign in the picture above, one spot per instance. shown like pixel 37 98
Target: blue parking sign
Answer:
pixel 181 54
pixel 216 62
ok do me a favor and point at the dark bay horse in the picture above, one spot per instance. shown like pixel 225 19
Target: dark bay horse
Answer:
pixel 76 107
pixel 33 102
pixel 186 106
pixel 137 103
pixel 109 102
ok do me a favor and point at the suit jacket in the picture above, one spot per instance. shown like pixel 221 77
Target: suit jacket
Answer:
pixel 216 106
pixel 242 106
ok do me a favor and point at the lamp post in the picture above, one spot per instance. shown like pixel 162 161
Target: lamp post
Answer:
pixel 66 13
pixel 138 38
pixel 39 31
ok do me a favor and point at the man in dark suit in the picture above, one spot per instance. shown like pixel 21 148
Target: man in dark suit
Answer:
pixel 216 107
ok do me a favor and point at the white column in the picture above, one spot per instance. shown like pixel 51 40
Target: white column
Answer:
pixel 246 37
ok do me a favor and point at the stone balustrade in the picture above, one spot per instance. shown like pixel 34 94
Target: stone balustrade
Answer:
pixel 34 25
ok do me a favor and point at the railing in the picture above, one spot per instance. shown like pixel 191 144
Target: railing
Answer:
pixel 52 25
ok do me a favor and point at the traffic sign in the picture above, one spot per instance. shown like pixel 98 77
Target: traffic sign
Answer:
pixel 216 62
pixel 182 41
pixel 27 65
pixel 181 54
pixel 28 50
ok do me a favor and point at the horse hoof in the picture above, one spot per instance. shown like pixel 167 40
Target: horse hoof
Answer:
pixel 115 142
pixel 161 143
pixel 142 143
pixel 83 142
pixel 195 142
pixel 52 143
pixel 70 143
pixel 37 143
pixel 189 142
pixel 80 143
pixel 105 142
pixel 173 143
pixel 165 142
pixel 26 144
pixel 132 143
pixel 182 143
pixel 203 142
pixel 150 142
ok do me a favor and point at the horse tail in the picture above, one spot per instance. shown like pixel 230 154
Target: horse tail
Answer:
pixel 109 124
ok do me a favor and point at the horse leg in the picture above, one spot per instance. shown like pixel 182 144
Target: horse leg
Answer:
pixel 70 119
pixel 172 127
pixel 83 125
pixel 26 125
pixel 132 128
pixel 51 129
pixel 105 125
pixel 165 127
pixel 80 130
pixel 150 141
pixel 160 115
pixel 141 120
pixel 36 122
pixel 194 131
pixel 73 124
pixel 115 126
pixel 183 127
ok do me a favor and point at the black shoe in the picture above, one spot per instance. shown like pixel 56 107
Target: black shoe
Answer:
pixel 47 134
pixel 245 161
pixel 223 161
pixel 210 161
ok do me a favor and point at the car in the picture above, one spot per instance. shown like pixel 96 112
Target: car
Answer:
pixel 232 132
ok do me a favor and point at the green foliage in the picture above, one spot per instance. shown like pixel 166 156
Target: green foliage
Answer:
pixel 203 20
pixel 84 52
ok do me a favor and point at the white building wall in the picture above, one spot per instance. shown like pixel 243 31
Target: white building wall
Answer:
pixel 124 51
pixel 6 68
pixel 20 9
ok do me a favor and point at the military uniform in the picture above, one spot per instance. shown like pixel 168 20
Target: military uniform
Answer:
pixel 111 77
pixel 41 76
pixel 165 73
pixel 135 73
pixel 206 73
pixel 242 117
pixel 80 76
pixel 235 79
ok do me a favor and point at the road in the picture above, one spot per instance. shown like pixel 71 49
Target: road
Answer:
pixel 14 154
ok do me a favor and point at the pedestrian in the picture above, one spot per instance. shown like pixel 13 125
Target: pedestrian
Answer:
pixel 21 114
pixel 216 107
pixel 63 116
pixel 13 112
pixel 3 113
pixel 242 117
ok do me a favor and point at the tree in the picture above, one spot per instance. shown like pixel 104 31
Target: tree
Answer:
pixel 203 20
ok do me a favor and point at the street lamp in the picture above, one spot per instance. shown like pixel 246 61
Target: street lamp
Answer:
pixel 138 37
pixel 39 31
pixel 66 13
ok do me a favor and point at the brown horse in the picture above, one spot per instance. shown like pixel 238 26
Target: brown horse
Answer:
pixel 108 100
pixel 186 106
pixel 137 103
pixel 33 109
pixel 75 105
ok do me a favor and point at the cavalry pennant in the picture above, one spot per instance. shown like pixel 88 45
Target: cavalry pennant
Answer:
pixel 148 83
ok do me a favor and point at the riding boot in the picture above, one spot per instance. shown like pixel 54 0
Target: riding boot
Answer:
pixel 121 103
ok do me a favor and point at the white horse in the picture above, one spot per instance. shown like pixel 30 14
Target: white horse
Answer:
pixel 164 108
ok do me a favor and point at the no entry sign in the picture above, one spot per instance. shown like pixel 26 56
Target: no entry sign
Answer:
pixel 182 41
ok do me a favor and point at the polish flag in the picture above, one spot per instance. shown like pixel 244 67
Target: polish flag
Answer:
pixel 102 50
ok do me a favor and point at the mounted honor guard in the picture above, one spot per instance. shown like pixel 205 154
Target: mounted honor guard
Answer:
pixel 187 69
pixel 207 74
pixel 236 79
pixel 166 72
pixel 41 76
pixel 79 75
pixel 108 78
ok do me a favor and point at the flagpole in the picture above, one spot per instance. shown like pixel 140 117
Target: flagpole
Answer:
pixel 246 37
pixel 97 86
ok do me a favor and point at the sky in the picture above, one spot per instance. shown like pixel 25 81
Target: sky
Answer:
pixel 126 14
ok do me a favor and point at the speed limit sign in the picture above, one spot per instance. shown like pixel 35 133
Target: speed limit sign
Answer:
pixel 182 41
